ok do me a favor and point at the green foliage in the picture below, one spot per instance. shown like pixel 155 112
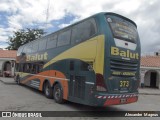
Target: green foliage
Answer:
pixel 22 37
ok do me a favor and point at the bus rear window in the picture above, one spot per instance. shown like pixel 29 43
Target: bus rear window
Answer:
pixel 122 29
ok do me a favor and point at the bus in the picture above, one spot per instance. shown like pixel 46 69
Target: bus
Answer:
pixel 94 62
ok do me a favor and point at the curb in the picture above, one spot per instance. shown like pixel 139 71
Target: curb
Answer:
pixel 8 83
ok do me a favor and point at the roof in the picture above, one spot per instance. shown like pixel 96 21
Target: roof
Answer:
pixel 8 53
pixel 150 61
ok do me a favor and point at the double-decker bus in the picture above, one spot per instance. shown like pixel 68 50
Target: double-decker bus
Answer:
pixel 93 62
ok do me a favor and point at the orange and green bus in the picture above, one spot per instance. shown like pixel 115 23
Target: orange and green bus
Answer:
pixel 95 62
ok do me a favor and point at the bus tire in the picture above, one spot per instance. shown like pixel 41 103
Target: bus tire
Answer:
pixel 48 90
pixel 58 94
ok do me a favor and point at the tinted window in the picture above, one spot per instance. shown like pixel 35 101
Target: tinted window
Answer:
pixel 51 42
pixel 84 30
pixel 64 38
pixel 25 49
pixel 123 29
pixel 21 68
pixel 40 67
pixel 27 67
pixel 29 48
pixel 42 44
pixel 33 69
pixel 35 46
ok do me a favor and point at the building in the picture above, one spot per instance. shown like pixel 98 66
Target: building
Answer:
pixel 150 71
pixel 7 62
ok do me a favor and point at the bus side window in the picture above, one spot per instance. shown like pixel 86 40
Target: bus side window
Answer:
pixel 29 48
pixel 64 38
pixel 52 41
pixel 39 67
pixel 84 30
pixel 27 68
pixel 35 46
pixel 33 69
pixel 21 67
pixel 42 44
pixel 24 67
pixel 20 50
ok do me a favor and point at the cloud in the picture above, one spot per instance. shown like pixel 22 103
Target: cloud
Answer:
pixel 32 13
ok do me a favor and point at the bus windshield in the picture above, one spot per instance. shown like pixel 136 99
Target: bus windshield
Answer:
pixel 123 29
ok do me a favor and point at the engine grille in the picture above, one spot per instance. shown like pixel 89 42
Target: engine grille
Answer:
pixel 123 66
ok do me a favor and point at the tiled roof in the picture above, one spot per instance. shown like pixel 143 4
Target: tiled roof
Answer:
pixel 150 61
pixel 8 53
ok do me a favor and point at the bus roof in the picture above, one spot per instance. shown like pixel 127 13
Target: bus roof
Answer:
pixel 101 13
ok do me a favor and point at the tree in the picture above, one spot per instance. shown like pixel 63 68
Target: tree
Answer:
pixel 23 36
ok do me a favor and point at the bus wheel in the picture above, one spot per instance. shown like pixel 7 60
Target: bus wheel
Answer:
pixel 58 94
pixel 48 90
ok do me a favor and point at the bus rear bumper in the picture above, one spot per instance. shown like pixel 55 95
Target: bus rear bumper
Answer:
pixel 106 100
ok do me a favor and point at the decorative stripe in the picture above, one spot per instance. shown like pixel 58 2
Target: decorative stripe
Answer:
pixel 34 85
pixel 116 96
pixel 104 97
pixel 33 81
pixel 99 97
pixel 50 77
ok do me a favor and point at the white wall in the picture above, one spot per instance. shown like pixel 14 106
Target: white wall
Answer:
pixel 1 63
pixel 147 79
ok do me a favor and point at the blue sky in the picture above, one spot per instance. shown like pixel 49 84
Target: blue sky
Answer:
pixel 21 14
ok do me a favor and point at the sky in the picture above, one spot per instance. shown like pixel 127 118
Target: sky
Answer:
pixel 52 15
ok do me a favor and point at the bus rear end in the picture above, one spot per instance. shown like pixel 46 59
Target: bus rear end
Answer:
pixel 120 81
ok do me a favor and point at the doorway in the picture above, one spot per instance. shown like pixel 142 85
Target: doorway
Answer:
pixel 153 79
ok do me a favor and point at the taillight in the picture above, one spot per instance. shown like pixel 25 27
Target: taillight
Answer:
pixel 100 85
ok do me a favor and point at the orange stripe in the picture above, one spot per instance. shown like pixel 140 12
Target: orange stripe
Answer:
pixel 50 73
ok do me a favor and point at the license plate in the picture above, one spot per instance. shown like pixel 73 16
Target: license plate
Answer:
pixel 123 100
